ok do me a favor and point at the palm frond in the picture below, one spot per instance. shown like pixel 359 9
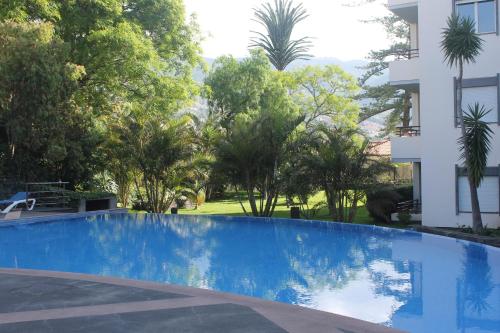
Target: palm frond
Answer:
pixel 460 43
pixel 279 22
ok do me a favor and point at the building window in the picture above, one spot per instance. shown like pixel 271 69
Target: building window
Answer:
pixel 486 92
pixel 483 13
pixel 486 96
pixel 488 192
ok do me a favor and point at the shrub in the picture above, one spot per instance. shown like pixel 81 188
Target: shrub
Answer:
pixel 382 202
pixel 406 192
pixel 181 201
pixel 138 205
pixel 404 217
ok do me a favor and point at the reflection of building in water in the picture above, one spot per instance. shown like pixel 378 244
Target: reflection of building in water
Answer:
pixel 476 293
pixel 440 301
pixel 414 301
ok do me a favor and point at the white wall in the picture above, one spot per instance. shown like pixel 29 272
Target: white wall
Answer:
pixel 439 136
pixel 408 70
pixel 406 149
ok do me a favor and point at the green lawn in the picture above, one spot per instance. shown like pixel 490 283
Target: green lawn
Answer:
pixel 231 206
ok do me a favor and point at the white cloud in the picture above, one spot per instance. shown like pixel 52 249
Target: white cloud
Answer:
pixel 338 30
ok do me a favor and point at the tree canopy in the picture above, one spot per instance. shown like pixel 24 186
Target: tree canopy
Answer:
pixel 46 134
pixel 101 59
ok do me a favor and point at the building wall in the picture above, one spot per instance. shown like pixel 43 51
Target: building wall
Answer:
pixel 439 135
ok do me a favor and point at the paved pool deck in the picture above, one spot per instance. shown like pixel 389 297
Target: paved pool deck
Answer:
pixel 43 302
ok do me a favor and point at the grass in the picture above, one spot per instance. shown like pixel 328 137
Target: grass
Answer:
pixel 231 206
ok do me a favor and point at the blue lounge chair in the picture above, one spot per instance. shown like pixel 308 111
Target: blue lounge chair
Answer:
pixel 16 199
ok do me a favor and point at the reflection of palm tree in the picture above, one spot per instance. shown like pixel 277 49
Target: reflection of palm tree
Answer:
pixel 476 281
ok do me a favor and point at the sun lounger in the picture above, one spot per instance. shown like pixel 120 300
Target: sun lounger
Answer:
pixel 19 198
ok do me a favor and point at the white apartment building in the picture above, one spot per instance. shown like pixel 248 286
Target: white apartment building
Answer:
pixel 430 143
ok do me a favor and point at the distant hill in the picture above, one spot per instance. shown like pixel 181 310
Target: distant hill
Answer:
pixel 354 67
pixel 351 66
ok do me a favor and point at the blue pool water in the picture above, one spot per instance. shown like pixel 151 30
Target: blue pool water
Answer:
pixel 411 281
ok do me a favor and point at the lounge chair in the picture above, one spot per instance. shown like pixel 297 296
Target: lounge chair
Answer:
pixel 16 199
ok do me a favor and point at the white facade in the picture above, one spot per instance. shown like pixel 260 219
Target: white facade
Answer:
pixel 433 146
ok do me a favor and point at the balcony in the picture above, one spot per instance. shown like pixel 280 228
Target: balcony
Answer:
pixel 413 208
pixel 406 54
pixel 406 9
pixel 406 146
pixel 404 72
pixel 406 131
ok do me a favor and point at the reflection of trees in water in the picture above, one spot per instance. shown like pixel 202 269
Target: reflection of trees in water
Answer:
pixel 289 263
pixel 474 286
pixel 151 247
pixel 286 261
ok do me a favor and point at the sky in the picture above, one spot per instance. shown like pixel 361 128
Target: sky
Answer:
pixel 337 29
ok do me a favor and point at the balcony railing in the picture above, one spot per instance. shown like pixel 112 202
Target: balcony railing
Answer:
pixel 406 54
pixel 410 207
pixel 408 131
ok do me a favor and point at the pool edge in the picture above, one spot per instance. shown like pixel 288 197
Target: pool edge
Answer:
pixel 292 318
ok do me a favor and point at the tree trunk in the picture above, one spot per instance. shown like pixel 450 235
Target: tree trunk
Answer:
pixel 241 202
pixel 275 202
pixel 406 109
pixel 477 223
pixel 354 206
pixel 251 197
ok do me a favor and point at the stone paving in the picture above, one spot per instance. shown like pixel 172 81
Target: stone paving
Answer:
pixel 50 302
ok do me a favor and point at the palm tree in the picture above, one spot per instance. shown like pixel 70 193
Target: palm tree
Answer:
pixel 461 45
pixel 478 138
pixel 279 22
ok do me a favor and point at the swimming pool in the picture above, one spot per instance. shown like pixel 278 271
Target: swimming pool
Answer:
pixel 408 280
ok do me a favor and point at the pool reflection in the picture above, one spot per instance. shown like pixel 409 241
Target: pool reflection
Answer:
pixel 410 281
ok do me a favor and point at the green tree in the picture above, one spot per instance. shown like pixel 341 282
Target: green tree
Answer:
pixel 279 22
pixel 461 45
pixel 377 98
pixel 257 118
pixel 199 174
pixel 325 94
pixel 128 48
pixel 255 150
pixel 159 147
pixel 234 87
pixel 341 165
pixel 48 136
pixel 136 54
pixel 120 162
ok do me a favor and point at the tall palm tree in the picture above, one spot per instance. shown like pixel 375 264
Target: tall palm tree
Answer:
pixel 279 22
pixel 461 45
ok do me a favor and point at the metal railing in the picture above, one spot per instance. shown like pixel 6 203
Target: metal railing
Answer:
pixel 49 195
pixel 408 131
pixel 406 54
pixel 410 207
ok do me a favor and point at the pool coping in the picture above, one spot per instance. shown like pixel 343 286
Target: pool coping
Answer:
pixel 292 318
pixel 60 216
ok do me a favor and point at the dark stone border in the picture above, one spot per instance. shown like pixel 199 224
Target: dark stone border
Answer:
pixel 486 240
